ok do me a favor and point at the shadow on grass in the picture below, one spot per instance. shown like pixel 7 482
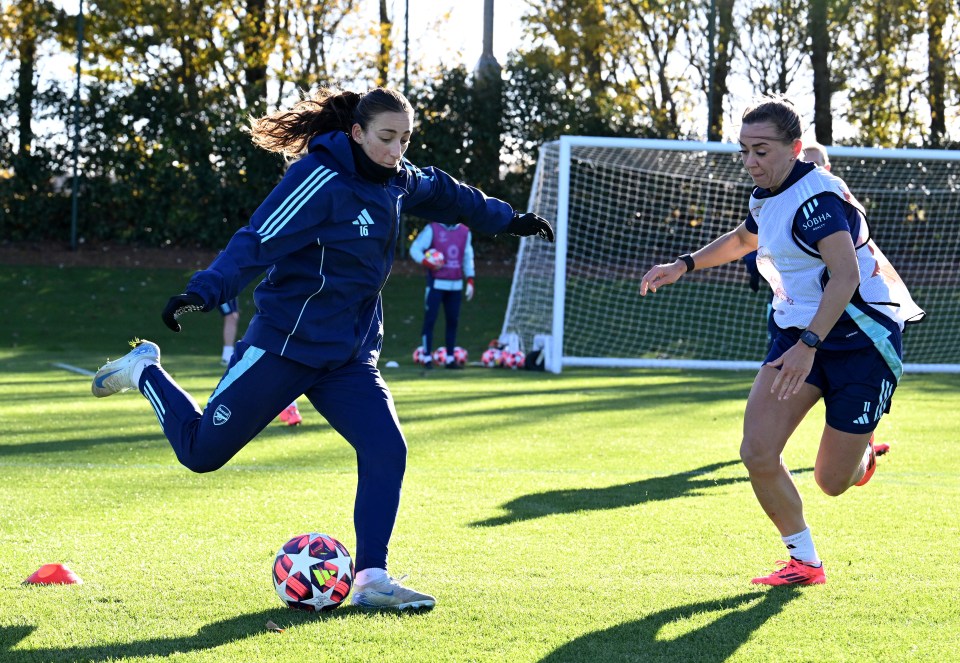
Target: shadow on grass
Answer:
pixel 209 636
pixel 683 484
pixel 76 445
pixel 588 391
pixel 640 640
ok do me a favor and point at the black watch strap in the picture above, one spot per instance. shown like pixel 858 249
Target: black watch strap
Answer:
pixel 810 339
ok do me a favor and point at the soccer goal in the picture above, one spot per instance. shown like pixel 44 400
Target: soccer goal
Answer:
pixel 622 205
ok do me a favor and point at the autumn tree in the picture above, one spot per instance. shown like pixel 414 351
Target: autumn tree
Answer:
pixel 187 76
pixel 776 43
pixel 885 85
pixel 34 161
pixel 24 25
pixel 583 45
pixel 711 45
pixel 658 26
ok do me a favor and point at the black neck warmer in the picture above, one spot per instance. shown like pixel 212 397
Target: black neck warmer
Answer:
pixel 369 170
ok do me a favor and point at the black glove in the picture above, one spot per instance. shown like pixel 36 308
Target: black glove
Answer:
pixel 178 305
pixel 750 262
pixel 528 224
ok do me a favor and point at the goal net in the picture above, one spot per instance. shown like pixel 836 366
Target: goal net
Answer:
pixel 623 205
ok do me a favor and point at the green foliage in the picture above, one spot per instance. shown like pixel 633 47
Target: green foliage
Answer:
pixel 582 54
pixel 444 114
pixel 777 47
pixel 35 185
pixel 449 133
pixel 886 85
pixel 34 205
pixel 157 174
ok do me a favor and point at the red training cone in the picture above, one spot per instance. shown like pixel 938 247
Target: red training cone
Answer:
pixel 53 574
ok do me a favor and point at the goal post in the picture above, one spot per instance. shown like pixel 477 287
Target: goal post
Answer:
pixel 621 205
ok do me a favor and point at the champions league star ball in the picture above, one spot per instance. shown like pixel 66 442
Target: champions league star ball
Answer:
pixel 313 572
pixel 460 356
pixel 440 356
pixel 490 357
pixel 419 355
pixel 434 258
pixel 513 359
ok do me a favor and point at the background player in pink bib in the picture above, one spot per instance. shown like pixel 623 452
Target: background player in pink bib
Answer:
pixel 445 282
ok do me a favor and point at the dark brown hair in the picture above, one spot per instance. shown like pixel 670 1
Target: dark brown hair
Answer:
pixel 778 111
pixel 289 131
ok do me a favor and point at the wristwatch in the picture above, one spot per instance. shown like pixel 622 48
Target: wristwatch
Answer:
pixel 810 339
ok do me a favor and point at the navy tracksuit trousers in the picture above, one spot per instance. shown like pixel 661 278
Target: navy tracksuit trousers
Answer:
pixel 354 399
pixel 432 300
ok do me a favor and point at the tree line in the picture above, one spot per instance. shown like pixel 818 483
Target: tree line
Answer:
pixel 168 87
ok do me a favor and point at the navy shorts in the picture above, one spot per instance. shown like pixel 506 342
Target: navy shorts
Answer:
pixel 857 384
pixel 229 307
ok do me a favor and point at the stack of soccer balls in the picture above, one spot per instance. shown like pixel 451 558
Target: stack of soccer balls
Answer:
pixel 313 572
pixel 440 356
pixel 499 355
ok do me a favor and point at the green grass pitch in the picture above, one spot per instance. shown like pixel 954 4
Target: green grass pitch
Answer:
pixel 594 516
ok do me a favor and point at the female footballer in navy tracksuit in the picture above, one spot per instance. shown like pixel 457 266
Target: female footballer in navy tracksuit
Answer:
pixel 326 238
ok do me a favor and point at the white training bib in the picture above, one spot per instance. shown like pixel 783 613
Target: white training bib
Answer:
pixel 795 270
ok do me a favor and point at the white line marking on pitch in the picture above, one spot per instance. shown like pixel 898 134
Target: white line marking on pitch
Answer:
pixel 74 369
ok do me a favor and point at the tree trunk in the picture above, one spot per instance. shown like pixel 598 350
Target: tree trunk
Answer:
pixel 937 71
pixel 487 121
pixel 262 170
pixel 877 115
pixel 25 86
pixel 487 111
pixel 819 62
pixel 255 50
pixel 383 60
pixel 721 68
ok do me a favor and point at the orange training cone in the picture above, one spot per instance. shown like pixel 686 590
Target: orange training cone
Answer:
pixel 53 574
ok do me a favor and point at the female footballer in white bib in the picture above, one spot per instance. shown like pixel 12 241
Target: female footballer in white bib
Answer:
pixel 839 309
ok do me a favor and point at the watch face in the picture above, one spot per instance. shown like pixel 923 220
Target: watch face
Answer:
pixel 811 339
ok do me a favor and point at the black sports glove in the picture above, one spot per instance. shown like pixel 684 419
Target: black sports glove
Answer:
pixel 750 262
pixel 528 224
pixel 178 305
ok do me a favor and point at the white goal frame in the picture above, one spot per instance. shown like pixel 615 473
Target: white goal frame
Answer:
pixel 550 338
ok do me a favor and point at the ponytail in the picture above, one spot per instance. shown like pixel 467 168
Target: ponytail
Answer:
pixel 289 132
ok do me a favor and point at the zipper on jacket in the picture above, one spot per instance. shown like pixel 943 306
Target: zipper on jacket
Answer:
pixel 391 246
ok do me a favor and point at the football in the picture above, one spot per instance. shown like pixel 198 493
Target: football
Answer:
pixel 434 258
pixel 519 359
pixel 313 572
pixel 440 356
pixel 460 356
pixel 490 357
pixel 418 355
pixel 513 359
